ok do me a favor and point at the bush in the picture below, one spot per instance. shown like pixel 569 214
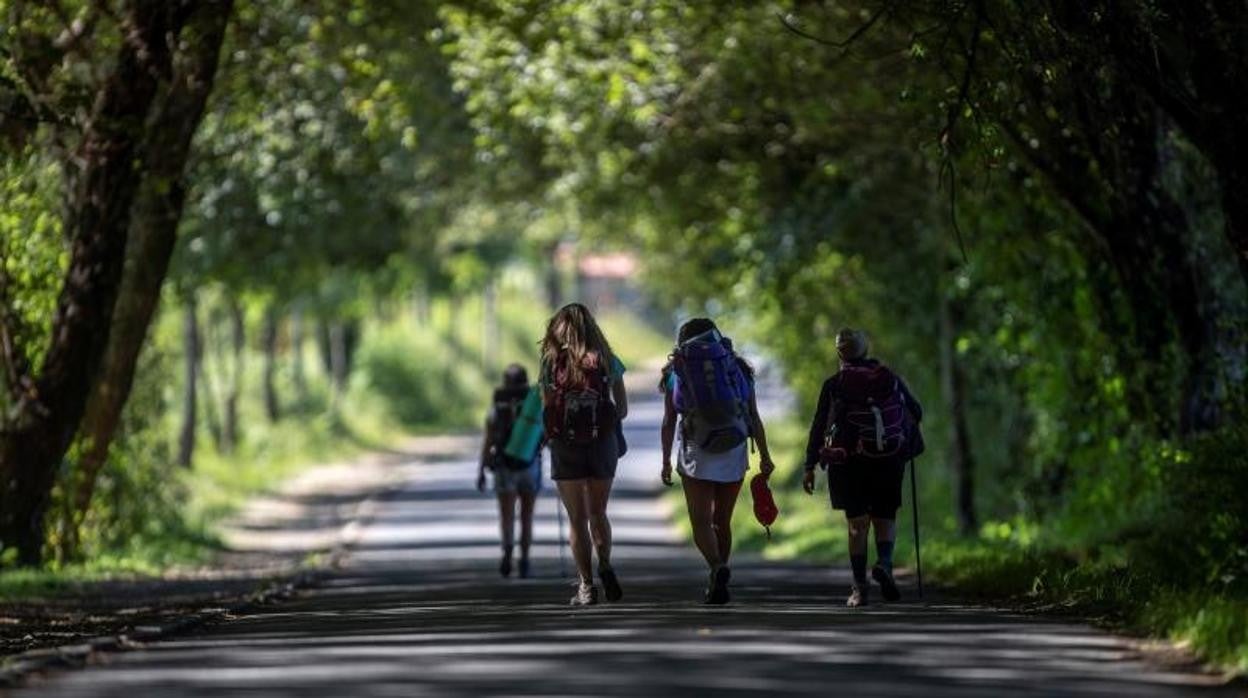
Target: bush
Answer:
pixel 423 382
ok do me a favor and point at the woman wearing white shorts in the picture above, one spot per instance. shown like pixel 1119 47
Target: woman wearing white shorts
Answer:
pixel 711 480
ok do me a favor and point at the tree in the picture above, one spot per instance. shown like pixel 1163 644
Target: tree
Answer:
pixel 153 234
pixel 104 171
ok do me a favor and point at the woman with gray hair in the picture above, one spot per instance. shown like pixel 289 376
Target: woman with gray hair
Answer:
pixel 864 430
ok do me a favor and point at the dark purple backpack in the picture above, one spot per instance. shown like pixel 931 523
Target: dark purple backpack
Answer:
pixel 712 393
pixel 870 418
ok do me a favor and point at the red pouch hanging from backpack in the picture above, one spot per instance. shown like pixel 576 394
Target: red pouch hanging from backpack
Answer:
pixel 765 509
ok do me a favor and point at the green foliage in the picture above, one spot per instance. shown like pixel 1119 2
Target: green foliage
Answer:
pixel 440 391
pixel 33 254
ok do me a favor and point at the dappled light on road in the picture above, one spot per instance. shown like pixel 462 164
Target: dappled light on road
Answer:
pixel 418 609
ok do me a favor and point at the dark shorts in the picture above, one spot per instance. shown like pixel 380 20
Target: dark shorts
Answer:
pixel 596 460
pixel 863 488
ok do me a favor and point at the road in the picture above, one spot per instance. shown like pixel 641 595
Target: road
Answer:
pixel 419 610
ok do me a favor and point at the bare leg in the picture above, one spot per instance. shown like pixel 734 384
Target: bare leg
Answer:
pixel 600 526
pixel 858 529
pixel 573 493
pixel 700 500
pixel 885 540
pixel 725 495
pixel 507 519
pixel 885 531
pixel 527 501
pixel 507 526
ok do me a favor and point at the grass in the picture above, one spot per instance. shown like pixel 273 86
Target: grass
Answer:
pixel 637 342
pixel 1110 592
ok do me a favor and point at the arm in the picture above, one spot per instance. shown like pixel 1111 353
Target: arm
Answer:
pixel 668 436
pixel 620 396
pixel 814 442
pixel 485 454
pixel 818 426
pixel 912 403
pixel 765 465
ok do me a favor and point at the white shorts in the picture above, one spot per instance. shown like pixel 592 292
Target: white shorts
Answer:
pixel 729 466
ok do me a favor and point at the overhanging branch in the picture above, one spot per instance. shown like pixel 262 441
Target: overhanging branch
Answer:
pixel 844 44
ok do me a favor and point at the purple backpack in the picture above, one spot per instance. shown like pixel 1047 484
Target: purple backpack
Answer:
pixel 871 418
pixel 711 393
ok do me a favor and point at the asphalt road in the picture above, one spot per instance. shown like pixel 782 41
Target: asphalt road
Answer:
pixel 419 609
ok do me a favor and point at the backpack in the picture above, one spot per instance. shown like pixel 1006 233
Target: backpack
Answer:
pixel 712 393
pixel 870 419
pixel 578 413
pixel 504 413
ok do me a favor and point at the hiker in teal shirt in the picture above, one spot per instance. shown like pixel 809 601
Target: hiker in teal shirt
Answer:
pixel 583 404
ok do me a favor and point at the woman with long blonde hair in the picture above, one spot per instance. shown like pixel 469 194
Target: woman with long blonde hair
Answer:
pixel 583 402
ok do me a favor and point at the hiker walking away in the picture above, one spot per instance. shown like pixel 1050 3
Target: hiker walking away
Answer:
pixel 583 403
pixel 708 397
pixel 515 480
pixel 864 430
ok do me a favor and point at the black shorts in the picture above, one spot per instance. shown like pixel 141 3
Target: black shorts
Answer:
pixel 596 460
pixel 863 487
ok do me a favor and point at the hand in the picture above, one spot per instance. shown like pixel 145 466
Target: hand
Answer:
pixel 666 474
pixel 808 482
pixel 481 482
pixel 766 467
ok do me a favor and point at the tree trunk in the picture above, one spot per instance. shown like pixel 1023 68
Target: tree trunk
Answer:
pixel 337 363
pixel 422 306
pixel 153 233
pixel 351 342
pixel 489 327
pixel 211 392
pixel 324 346
pixel 193 346
pixel 102 181
pixel 953 384
pixel 272 408
pixel 234 388
pixel 554 294
pixel 298 371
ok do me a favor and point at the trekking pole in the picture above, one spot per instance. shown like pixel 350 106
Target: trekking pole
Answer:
pixel 914 501
pixel 563 563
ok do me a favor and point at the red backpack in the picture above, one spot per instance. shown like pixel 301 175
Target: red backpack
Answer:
pixel 577 412
pixel 869 418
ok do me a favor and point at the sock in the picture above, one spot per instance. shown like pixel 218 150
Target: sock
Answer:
pixel 884 554
pixel 859 564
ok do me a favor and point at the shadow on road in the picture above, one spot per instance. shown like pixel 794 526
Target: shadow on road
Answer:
pixel 418 610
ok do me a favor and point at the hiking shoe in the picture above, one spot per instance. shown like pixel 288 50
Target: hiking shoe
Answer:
pixel 610 584
pixel 586 595
pixel 524 568
pixel 888 585
pixel 717 591
pixel 858 595
pixel 504 567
